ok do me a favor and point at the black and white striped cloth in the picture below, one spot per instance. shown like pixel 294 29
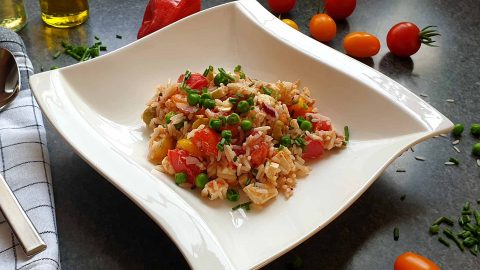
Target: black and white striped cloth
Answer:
pixel 24 164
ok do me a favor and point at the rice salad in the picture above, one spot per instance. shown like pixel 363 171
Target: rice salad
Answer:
pixel 225 132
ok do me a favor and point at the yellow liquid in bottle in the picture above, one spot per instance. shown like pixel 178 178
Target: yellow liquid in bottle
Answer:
pixel 64 13
pixel 12 14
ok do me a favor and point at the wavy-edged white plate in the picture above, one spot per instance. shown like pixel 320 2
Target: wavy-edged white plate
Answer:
pixel 97 105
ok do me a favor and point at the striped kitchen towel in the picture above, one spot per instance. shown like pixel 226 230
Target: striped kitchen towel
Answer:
pixel 24 164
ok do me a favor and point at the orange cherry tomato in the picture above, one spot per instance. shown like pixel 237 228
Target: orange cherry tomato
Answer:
pixel 323 27
pixel 412 261
pixel 290 23
pixel 361 44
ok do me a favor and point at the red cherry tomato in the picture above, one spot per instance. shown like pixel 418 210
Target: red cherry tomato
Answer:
pixel 361 44
pixel 323 27
pixel 340 9
pixel 177 159
pixel 412 261
pixel 313 150
pixel 259 155
pixel 405 38
pixel 196 81
pixel 281 6
pixel 206 141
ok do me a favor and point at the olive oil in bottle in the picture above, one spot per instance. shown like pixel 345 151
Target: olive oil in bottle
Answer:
pixel 12 14
pixel 64 13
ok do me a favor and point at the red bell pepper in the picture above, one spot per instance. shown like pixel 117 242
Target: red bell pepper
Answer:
pixel 160 13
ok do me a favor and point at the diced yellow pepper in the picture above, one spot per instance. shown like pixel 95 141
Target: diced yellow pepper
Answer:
pixel 159 149
pixel 300 108
pixel 200 121
pixel 188 146
pixel 277 130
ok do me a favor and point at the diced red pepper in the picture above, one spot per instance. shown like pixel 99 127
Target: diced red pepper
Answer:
pixel 206 141
pixel 177 159
pixel 196 81
pixel 322 125
pixel 313 150
pixel 160 13
pixel 259 155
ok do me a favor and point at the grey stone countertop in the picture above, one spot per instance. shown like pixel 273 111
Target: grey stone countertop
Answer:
pixel 100 228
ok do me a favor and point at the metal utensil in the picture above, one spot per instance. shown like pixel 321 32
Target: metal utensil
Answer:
pixel 13 212
pixel 9 77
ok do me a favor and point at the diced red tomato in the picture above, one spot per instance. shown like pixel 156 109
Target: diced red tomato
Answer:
pixel 313 150
pixel 259 155
pixel 177 159
pixel 196 81
pixel 206 141
pixel 322 125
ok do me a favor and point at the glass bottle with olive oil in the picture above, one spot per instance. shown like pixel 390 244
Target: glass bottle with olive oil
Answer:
pixel 12 14
pixel 64 13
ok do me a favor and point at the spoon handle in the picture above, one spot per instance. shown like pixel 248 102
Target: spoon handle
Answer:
pixel 19 222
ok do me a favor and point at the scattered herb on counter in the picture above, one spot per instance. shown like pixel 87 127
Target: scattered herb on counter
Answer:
pixel 469 236
pixel 54 67
pixel 83 53
pixel 118 36
pixel 454 161
pixel 396 234
pixel 56 55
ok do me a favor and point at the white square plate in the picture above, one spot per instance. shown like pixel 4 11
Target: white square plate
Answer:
pixel 97 105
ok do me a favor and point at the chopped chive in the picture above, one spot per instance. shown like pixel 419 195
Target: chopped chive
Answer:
pixel 450 235
pixel 469 212
pixel 103 48
pixel 464 234
pixel 444 242
pixel 476 214
pixel 347 133
pixel 466 206
pixel 118 36
pixel 434 229
pixel 443 220
pixel 454 160
pixel 245 206
pixel 97 38
pixel 232 195
pixel 470 242
pixel 474 250
pixel 249 180
pixel 251 84
pixel 54 67
pixel 396 234
pixel 56 55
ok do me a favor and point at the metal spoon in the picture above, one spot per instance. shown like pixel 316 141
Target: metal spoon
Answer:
pixel 9 77
pixel 13 212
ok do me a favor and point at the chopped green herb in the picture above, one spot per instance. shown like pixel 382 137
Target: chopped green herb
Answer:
pixel 207 71
pixel 450 235
pixel 347 133
pixel 470 242
pixel 466 206
pixel 54 67
pixel 233 100
pixel 251 84
pixel 235 158
pixel 168 116
pixel 443 241
pixel 56 55
pixel 434 229
pixel 300 142
pixel 267 91
pixel 103 48
pixel 222 78
pixel 232 195
pixel 254 171
pixel 245 206
pixel 403 197
pixel 443 220
pixel 474 250
pixel 454 160
pixel 97 38
pixel 396 234
pixel 118 36
pixel 249 180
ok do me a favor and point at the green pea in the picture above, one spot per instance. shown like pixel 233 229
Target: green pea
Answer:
pixel 215 124
pixel 193 99
pixel 201 180
pixel 457 129
pixel 209 103
pixel 246 125
pixel 476 149
pixel 168 116
pixel 223 119
pixel 286 141
pixel 475 130
pixel 306 125
pixel 232 195
pixel 180 178
pixel 227 134
pixel 243 106
pixel 233 119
